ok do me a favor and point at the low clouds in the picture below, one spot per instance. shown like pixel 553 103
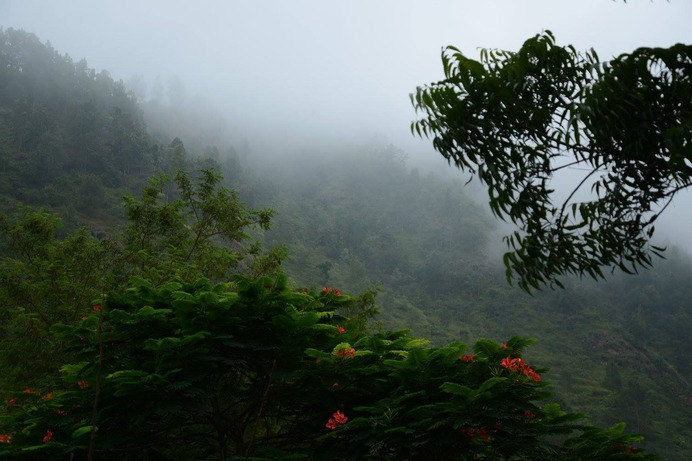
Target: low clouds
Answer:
pixel 286 72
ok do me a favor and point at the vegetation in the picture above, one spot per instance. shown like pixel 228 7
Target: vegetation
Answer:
pixel 523 121
pixel 255 370
pixel 427 247
pixel 162 330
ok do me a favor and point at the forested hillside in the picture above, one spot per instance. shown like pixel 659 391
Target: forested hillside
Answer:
pixel 354 218
pixel 616 349
pixel 72 140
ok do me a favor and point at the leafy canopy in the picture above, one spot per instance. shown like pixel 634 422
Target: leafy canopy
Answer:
pixel 186 229
pixel 525 121
pixel 252 369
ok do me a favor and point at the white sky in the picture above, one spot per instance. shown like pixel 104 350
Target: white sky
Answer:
pixel 341 69
pixel 338 66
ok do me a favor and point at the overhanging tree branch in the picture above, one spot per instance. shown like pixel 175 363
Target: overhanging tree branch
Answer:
pixel 512 117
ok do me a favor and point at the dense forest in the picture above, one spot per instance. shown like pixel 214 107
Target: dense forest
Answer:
pixel 353 219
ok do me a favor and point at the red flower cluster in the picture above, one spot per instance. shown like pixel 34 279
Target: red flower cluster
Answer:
pixel 337 418
pixel 330 291
pixel 467 358
pixel 82 384
pixel 346 352
pixel 474 432
pixel 29 391
pixel 6 438
pixel 625 449
pixel 529 415
pixel 47 437
pixel 341 330
pixel 517 364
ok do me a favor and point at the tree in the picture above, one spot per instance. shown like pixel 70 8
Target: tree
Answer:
pixel 201 230
pixel 252 369
pixel 193 229
pixel 523 122
pixel 43 280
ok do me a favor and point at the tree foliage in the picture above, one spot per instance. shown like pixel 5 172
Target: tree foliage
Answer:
pixel 524 122
pixel 192 228
pixel 252 369
pixel 200 229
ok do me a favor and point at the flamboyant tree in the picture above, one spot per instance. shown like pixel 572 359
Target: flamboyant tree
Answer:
pixel 252 369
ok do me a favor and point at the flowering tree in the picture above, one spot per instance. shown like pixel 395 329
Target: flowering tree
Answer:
pixel 252 369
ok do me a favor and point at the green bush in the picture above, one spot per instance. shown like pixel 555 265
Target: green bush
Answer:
pixel 253 369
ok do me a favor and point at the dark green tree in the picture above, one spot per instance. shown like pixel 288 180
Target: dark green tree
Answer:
pixel 253 369
pixel 191 228
pixel 200 229
pixel 524 121
pixel 43 280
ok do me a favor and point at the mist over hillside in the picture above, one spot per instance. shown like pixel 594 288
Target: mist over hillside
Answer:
pixel 306 73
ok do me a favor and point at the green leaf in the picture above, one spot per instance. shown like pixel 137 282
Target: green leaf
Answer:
pixel 458 389
pixel 83 430
pixel 489 383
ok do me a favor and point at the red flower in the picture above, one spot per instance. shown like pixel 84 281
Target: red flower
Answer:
pixel 512 364
pixel 531 374
pixel 517 364
pixel 346 352
pixel 467 358
pixel 47 437
pixel 341 330
pixel 97 307
pixel 6 438
pixel 29 391
pixel 627 450
pixel 331 424
pixel 484 435
pixel 337 418
pixel 48 396
pixel 82 384
pixel 330 290
pixel 12 401
pixel 529 415
pixel 474 432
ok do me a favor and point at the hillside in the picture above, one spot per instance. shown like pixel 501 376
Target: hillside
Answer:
pixel 616 349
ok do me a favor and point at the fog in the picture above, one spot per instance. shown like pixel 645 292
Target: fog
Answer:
pixel 285 74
